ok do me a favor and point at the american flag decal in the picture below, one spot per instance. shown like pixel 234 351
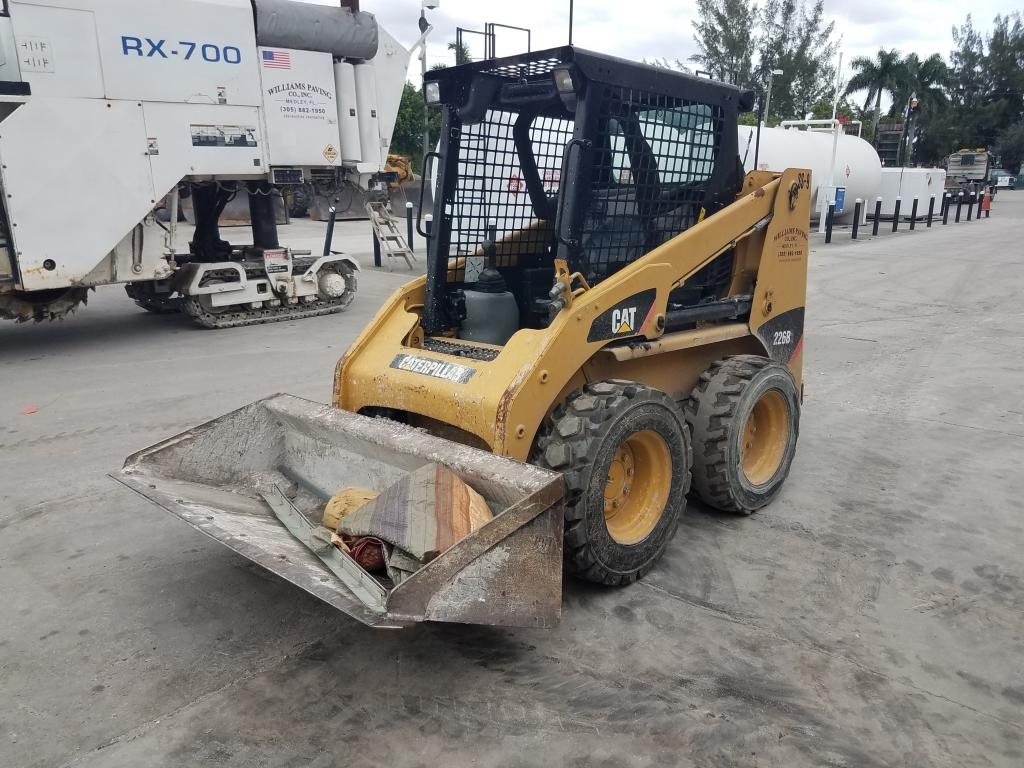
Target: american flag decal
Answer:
pixel 277 60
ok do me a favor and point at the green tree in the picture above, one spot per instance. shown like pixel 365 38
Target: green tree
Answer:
pixel 923 81
pixel 822 110
pixel 1010 147
pixel 462 54
pixel 407 138
pixel 1004 62
pixel 794 37
pixel 666 64
pixel 968 64
pixel 926 80
pixel 986 84
pixel 725 34
pixel 878 76
pixel 742 43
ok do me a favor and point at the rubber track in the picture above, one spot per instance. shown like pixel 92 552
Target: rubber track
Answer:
pixel 709 412
pixel 318 308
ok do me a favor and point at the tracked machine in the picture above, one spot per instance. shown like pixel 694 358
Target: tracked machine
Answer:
pixel 608 299
pixel 132 132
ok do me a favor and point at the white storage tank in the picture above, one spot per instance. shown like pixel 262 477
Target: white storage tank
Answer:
pixel 348 113
pixel 857 166
pixel 908 183
pixel 369 123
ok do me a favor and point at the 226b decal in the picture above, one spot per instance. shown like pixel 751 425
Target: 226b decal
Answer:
pixel 783 335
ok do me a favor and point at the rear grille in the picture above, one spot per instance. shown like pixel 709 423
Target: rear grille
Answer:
pixel 454 349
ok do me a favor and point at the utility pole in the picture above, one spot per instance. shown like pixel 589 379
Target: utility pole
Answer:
pixel 768 96
pixel 839 86
pixel 908 132
pixel 571 9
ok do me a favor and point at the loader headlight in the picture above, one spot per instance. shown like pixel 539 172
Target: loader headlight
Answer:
pixel 566 85
pixel 564 82
pixel 433 93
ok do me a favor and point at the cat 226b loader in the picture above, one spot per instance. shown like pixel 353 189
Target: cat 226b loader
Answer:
pixel 608 301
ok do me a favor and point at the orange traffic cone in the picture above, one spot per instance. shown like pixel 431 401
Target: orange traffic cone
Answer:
pixel 986 204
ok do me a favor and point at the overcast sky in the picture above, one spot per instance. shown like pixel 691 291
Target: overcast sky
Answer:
pixel 662 28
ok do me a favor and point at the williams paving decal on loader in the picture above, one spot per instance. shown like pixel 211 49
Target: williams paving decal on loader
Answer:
pixel 607 299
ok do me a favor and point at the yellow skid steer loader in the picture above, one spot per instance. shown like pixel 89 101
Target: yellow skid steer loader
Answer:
pixel 612 316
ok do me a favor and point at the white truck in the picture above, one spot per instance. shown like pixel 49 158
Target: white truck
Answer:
pixel 110 109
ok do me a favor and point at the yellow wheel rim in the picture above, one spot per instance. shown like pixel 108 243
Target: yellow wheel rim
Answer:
pixel 765 437
pixel 639 481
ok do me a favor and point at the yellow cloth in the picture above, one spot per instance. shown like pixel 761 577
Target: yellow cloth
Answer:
pixel 345 503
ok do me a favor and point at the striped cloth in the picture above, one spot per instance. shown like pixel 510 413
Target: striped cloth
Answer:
pixel 421 516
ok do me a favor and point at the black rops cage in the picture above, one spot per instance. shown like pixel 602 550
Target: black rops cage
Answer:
pixel 566 152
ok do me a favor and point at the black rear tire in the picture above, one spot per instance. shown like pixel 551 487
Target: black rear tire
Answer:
pixel 583 438
pixel 719 412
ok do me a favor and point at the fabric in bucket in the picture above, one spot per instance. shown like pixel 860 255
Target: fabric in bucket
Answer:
pixel 421 516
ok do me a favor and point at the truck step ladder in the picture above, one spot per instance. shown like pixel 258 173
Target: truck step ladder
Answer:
pixel 392 241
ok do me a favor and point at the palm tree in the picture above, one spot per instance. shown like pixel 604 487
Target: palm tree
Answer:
pixel 926 80
pixel 876 76
pixel 923 81
pixel 461 49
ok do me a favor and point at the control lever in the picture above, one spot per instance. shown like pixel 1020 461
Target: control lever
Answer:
pixel 490 245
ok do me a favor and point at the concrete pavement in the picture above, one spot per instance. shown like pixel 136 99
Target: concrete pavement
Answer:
pixel 872 616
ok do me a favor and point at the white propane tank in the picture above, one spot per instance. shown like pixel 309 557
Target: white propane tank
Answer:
pixel 857 166
pixel 348 114
pixel 369 124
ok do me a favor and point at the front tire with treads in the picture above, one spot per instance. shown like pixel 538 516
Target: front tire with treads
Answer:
pixel 744 418
pixel 624 450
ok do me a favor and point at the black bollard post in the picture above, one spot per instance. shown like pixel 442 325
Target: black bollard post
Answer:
pixel 878 216
pixel 376 250
pixel 896 216
pixel 856 217
pixel 945 208
pixel 959 207
pixel 913 215
pixel 981 201
pixel 970 206
pixel 931 210
pixel 428 223
pixel 828 221
pixel 408 227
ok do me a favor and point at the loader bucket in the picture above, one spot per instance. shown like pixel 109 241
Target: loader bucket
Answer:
pixel 226 478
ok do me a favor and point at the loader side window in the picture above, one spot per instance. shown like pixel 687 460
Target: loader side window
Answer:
pixel 653 162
